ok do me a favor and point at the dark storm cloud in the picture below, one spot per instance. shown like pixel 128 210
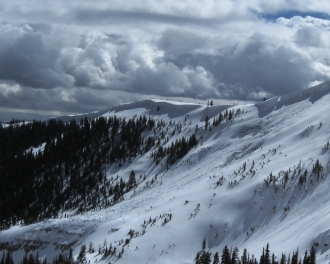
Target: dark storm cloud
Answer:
pixel 27 60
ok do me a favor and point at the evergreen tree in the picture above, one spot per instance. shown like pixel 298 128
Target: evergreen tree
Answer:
pixel 31 259
pixel 312 255
pixel 225 257
pixel 81 257
pixel 206 122
pixel 306 259
pixel 9 258
pixel 295 257
pixel 197 261
pixel 70 258
pixel 245 257
pixel 205 258
pixel 204 244
pixel 262 257
pixel 273 259
pixel 267 255
pixel 3 258
pixel 131 181
pixel 216 259
pixel 230 116
pixel 234 256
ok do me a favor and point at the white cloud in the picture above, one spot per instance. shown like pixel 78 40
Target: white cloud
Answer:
pixel 66 96
pixel 7 88
pixel 308 21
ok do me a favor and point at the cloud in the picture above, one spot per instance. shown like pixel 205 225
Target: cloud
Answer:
pixel 92 63
pixel 169 80
pixel 302 22
pixel 260 63
pixel 26 59
pixel 179 41
pixel 310 31
pixel 81 56
pixel 119 17
pixel 6 89
pixel 290 8
pixel 310 36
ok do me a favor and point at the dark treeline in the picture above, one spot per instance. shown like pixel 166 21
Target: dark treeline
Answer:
pixel 30 259
pixel 67 173
pixel 7 258
pixel 231 256
pixel 226 116
pixel 15 121
pixel 228 256
pixel 177 150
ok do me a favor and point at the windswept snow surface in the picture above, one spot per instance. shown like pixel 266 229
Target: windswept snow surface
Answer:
pixel 283 134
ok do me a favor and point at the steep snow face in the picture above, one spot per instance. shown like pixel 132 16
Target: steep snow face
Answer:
pixel 250 181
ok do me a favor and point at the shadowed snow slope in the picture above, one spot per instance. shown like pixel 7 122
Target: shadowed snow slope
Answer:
pixel 249 182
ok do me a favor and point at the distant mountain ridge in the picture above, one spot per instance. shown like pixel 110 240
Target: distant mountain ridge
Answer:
pixel 313 94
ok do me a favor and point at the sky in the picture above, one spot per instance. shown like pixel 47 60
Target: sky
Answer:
pixel 72 57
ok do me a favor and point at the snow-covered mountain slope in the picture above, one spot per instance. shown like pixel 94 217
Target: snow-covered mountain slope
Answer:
pixel 250 181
